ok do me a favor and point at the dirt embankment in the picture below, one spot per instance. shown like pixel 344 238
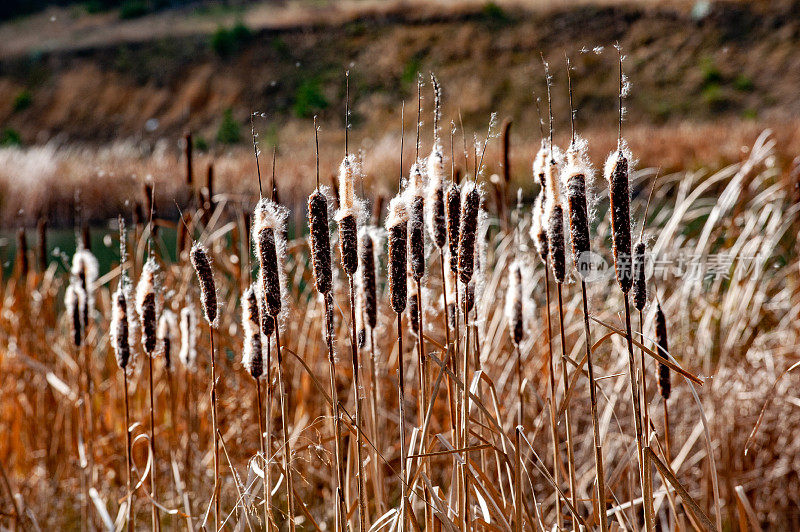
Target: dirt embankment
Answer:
pixel 735 61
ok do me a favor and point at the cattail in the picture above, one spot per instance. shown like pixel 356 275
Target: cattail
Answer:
pixel 467 234
pixel 616 171
pixel 252 356
pixel 575 176
pixel 208 288
pixel 416 222
pixel 119 327
pixel 539 227
pixel 437 223
pixel 368 275
pixel 664 384
pixel 270 219
pixel 320 241
pixel 514 302
pixel 555 222
pixel 540 165
pixel 468 297
pixel 639 281
pixel 167 332
pixel 146 304
pixel 453 215
pixel 361 325
pixel 75 301
pixel 188 352
pixel 397 226
pixel 413 304
pixel 22 252
pixel 347 216
pixel 450 288
pixel 85 268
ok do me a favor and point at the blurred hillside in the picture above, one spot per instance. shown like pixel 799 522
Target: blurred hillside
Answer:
pixel 696 61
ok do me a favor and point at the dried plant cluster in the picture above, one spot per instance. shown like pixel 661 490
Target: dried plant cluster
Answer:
pixel 532 402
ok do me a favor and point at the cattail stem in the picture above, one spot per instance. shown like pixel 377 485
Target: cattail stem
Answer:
pixel 362 501
pixel 287 449
pixel 465 421
pixel 518 469
pixel 401 404
pixel 214 429
pixel 376 433
pixel 553 417
pixel 426 400
pixel 667 447
pixel 645 406
pixel 598 445
pixel 268 424
pixel 337 428
pixel 155 512
pixel 567 414
pixel 637 415
pixel 450 387
pixel 128 519
pixel 260 415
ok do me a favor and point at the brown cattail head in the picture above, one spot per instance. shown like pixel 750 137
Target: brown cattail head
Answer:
pixel 270 219
pixel 85 269
pixel 347 216
pixel 468 233
pixel 413 304
pixel 437 225
pixel 22 253
pixel 514 302
pixel 416 222
pixel 146 304
pixel 208 288
pixel 540 165
pixel 361 325
pixel 539 227
pixel 188 352
pixel 575 177
pixel 252 356
pixel 555 220
pixel 320 241
pixel 167 334
pixel 639 281
pixel 368 282
pixel 664 384
pixel 119 327
pixel 453 215
pixel 468 297
pixel 616 170
pixel 397 226
pixel 75 301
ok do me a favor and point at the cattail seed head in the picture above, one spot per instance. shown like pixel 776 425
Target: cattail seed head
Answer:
pixel 468 297
pixel 555 238
pixel 416 221
pixel 575 175
pixel 453 215
pixel 468 234
pixel 167 333
pixel 270 219
pixel 208 288
pixel 397 226
pixel 413 305
pixel 85 268
pixel 146 304
pixel 119 327
pixel 616 171
pixel 188 352
pixel 639 281
pixel 347 216
pixel 514 302
pixel 75 301
pixel 320 241
pixel 437 224
pixel 361 326
pixel 539 227
pixel 664 384
pixel 252 356
pixel 368 282
pixel 540 165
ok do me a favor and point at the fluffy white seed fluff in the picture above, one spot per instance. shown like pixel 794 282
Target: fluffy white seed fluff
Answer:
pixel 84 264
pixel 167 326
pixel 250 328
pixel 148 283
pixel 188 353
pixel 348 171
pixel 75 301
pixel 271 215
pixel 614 156
pixel 416 181
pixel 398 211
pixel 552 172
pixel 540 162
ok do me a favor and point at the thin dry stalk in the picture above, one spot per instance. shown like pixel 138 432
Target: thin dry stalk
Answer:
pixel 287 449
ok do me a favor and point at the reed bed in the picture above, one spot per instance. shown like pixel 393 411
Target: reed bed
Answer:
pixel 372 444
